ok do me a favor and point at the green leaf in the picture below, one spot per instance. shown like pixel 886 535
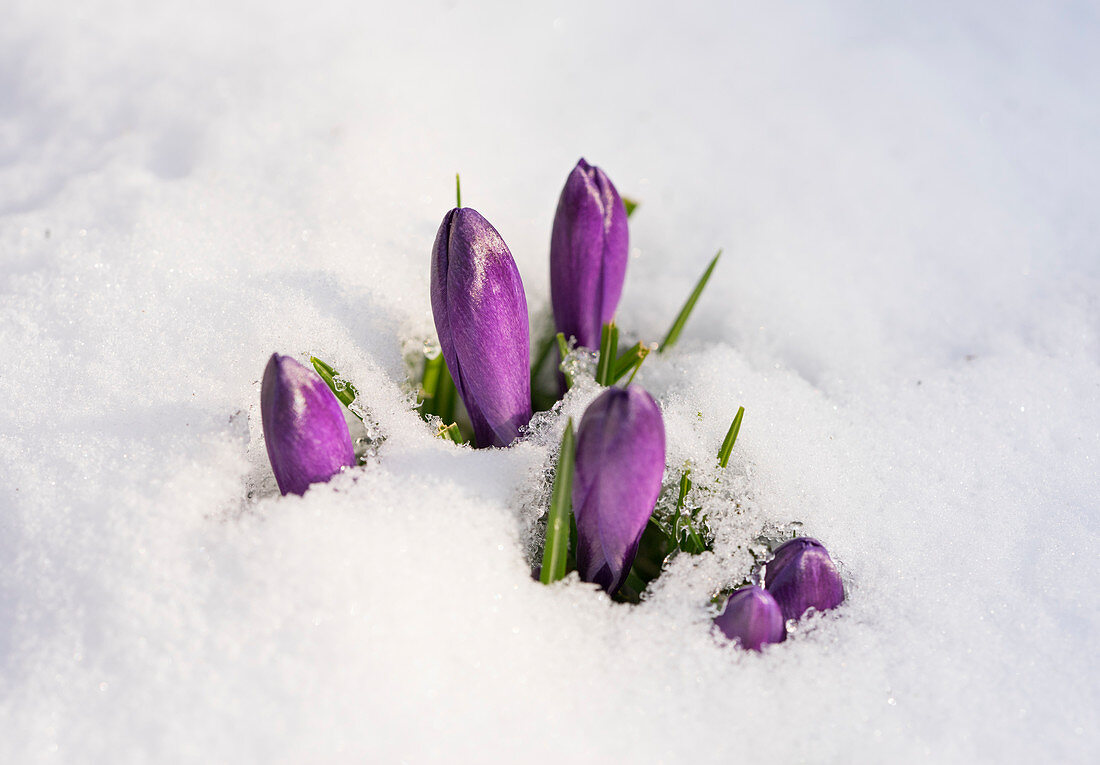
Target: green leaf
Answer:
pixel 452 433
pixel 556 550
pixel 445 395
pixel 563 351
pixel 692 543
pixel 458 191
pixel 685 487
pixel 681 319
pixel 343 390
pixel 658 528
pixel 632 589
pixel 683 530
pixel 609 349
pixel 544 351
pixel 438 392
pixel 654 547
pixel 631 359
pixel 731 438
pixel 630 206
pixel 429 385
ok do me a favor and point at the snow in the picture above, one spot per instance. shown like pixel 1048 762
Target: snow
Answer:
pixel 907 309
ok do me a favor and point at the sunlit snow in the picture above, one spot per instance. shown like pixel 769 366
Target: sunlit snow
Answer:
pixel 907 308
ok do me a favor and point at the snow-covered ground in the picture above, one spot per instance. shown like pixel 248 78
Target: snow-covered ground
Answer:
pixel 908 309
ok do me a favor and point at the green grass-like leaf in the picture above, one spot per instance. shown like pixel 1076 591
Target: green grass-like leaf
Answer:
pixel 540 359
pixel 344 391
pixel 631 359
pixel 684 534
pixel 630 205
pixel 731 438
pixel 681 319
pixel 563 351
pixel 556 550
pixel 685 487
pixel 452 433
pixel 609 351
pixel 445 395
pixel 438 392
pixel 429 384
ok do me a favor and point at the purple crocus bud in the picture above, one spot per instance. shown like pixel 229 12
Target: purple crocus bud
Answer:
pixel 801 576
pixel 753 617
pixel 307 437
pixel 619 463
pixel 588 252
pixel 481 319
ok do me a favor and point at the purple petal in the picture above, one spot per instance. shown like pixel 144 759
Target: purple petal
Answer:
pixel 620 461
pixel 481 318
pixel 753 617
pixel 304 429
pixel 802 576
pixel 589 245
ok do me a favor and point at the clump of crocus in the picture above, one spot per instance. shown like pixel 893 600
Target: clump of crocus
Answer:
pixel 588 252
pixel 304 428
pixel 481 318
pixel 619 463
pixel 752 617
pixel 802 576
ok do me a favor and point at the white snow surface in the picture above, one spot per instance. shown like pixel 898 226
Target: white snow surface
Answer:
pixel 907 307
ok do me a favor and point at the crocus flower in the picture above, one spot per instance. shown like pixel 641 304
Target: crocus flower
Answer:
pixel 588 252
pixel 481 319
pixel 753 617
pixel 801 576
pixel 619 463
pixel 307 437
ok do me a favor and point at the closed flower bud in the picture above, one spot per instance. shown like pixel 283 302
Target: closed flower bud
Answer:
pixel 304 428
pixel 619 463
pixel 481 318
pixel 588 252
pixel 753 617
pixel 802 576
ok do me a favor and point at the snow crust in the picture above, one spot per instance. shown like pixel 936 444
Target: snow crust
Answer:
pixel 907 307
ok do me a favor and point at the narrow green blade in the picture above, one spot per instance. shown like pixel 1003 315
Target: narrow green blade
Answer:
pixel 685 487
pixel 452 433
pixel 544 351
pixel 556 551
pixel 653 548
pixel 659 527
pixel 692 544
pixel 630 206
pixel 731 438
pixel 609 342
pixel 429 385
pixel 631 359
pixel 563 351
pixel 445 395
pixel 678 325
pixel 683 530
pixel 344 391
pixel 632 589
pixel 458 191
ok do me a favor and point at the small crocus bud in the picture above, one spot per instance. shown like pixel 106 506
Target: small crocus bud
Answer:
pixel 619 463
pixel 753 617
pixel 304 428
pixel 481 318
pixel 588 252
pixel 801 576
